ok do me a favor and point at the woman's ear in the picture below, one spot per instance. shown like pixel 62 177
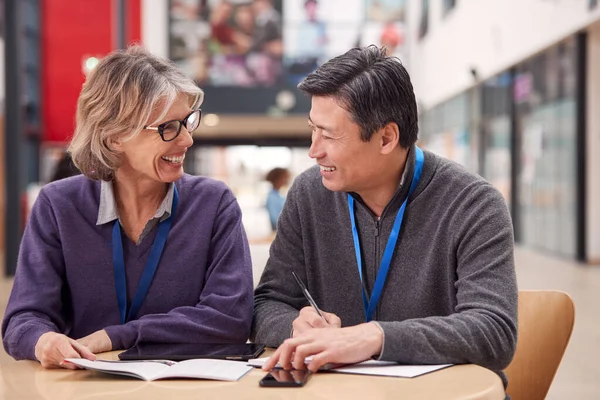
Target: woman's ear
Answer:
pixel 115 143
pixel 390 138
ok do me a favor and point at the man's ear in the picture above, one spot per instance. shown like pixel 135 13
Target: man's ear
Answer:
pixel 390 138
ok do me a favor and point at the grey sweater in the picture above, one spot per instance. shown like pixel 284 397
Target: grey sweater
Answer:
pixel 451 293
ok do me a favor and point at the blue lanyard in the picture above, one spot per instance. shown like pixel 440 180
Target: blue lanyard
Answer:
pixel 149 270
pixel 391 244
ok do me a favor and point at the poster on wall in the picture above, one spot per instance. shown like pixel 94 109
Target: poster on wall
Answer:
pixel 274 44
pixel 228 43
pixel 318 30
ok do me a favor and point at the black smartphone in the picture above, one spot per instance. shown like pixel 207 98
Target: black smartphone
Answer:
pixel 283 378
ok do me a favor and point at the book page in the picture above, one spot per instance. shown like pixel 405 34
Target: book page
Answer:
pixel 223 370
pixel 146 370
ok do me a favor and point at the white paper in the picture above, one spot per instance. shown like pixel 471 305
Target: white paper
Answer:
pixel 400 371
pixel 370 367
pixel 259 362
pixel 223 370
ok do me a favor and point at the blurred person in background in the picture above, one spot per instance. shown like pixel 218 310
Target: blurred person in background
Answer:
pixel 409 255
pixel 244 20
pixel 64 168
pixel 391 38
pixel 232 38
pixel 221 30
pixel 267 29
pixel 133 250
pixel 279 178
pixel 310 43
pixel 264 56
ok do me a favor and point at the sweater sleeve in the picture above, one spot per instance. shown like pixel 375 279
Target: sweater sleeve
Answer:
pixel 224 310
pixel 483 329
pixel 277 298
pixel 35 304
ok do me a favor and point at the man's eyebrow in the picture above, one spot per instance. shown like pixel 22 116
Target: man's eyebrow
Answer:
pixel 325 128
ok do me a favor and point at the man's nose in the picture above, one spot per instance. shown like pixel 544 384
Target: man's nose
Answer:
pixel 315 147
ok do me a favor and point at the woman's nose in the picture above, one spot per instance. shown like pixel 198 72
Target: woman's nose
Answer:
pixel 185 138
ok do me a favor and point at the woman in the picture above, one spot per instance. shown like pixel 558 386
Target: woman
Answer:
pixel 134 249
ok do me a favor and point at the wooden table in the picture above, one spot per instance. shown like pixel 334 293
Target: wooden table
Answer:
pixel 28 380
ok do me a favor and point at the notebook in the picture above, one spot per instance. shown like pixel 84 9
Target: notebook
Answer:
pixel 222 370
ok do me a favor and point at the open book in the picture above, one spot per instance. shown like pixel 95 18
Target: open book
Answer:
pixel 370 367
pixel 222 370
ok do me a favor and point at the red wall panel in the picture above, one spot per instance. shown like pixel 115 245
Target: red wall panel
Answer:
pixel 71 32
pixel 134 23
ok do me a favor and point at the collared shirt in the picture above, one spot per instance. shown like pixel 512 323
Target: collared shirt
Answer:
pixel 107 210
pixel 403 177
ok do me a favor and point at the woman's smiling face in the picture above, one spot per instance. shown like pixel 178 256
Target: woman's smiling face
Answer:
pixel 147 156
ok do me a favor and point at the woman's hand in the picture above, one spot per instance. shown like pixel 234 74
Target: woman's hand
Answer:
pixel 52 348
pixel 97 342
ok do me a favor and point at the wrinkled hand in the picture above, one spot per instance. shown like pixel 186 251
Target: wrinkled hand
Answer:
pixel 328 345
pixel 52 348
pixel 97 342
pixel 309 319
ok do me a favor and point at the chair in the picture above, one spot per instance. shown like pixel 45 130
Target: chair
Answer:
pixel 546 319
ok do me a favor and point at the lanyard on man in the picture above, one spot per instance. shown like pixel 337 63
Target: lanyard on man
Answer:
pixel 384 267
pixel 149 270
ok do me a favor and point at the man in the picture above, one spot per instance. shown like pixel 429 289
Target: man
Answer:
pixel 377 204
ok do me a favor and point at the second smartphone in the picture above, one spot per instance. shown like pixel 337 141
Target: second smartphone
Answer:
pixel 283 378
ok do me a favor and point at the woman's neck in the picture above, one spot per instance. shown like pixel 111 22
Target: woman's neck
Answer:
pixel 137 201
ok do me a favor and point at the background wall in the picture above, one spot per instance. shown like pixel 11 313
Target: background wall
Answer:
pixel 154 26
pixel 72 31
pixel 486 35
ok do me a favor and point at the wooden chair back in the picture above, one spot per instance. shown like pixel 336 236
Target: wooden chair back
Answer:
pixel 546 319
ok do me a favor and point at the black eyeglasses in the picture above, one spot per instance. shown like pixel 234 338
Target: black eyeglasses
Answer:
pixel 170 130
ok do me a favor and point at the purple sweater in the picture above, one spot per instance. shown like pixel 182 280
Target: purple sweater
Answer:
pixel 202 290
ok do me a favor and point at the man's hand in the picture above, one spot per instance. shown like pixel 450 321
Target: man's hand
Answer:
pixel 52 348
pixel 329 345
pixel 309 319
pixel 97 342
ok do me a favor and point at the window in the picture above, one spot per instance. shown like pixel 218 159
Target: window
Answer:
pixel 546 109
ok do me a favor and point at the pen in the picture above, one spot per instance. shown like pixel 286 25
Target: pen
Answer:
pixel 308 296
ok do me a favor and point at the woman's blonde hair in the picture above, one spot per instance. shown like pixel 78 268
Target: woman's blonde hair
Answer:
pixel 117 100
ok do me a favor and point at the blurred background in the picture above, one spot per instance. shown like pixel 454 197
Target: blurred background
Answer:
pixel 508 88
